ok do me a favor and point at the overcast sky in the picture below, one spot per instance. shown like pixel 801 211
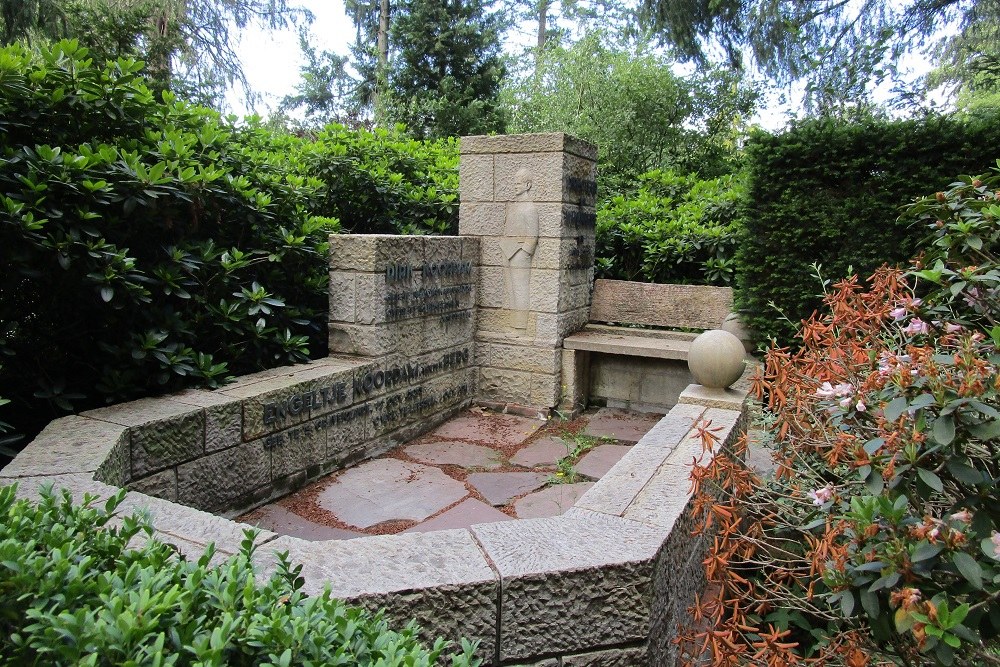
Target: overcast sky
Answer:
pixel 271 60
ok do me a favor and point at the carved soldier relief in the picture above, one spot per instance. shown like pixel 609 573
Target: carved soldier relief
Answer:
pixel 518 245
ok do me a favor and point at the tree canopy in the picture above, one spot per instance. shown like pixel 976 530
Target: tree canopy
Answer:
pixel 630 103
pixel 837 47
pixel 187 44
pixel 444 78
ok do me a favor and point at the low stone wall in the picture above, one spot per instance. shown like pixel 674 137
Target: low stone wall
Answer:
pixel 605 584
pixel 402 321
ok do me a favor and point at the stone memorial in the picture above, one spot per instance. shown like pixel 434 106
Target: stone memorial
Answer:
pixel 419 329
pixel 530 201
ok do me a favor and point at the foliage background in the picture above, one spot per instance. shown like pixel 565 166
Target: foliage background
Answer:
pixel 153 244
pixel 877 539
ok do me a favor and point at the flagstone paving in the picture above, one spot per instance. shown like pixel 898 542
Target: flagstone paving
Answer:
pixel 497 429
pixel 598 461
pixel 620 424
pixel 544 452
pixel 551 501
pixel 460 474
pixel 499 488
pixel 465 514
pixel 460 454
pixel 277 519
pixel 389 490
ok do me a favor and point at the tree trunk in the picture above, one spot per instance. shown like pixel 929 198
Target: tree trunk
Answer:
pixel 543 16
pixel 383 34
pixel 382 70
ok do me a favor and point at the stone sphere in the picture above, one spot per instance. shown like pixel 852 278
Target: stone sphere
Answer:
pixel 716 359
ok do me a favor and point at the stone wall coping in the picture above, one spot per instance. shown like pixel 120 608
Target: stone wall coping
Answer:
pixel 548 142
pixel 616 531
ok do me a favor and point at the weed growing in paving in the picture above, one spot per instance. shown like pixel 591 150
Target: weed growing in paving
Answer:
pixel 577 445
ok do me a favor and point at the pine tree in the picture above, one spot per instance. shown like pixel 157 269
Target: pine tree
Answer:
pixel 444 76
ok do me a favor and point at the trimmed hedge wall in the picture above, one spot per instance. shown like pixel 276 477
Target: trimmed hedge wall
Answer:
pixel 830 191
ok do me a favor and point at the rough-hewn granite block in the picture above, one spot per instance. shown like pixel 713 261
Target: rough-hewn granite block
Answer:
pixel 570 582
pixel 441 578
pixel 164 432
pixel 75 444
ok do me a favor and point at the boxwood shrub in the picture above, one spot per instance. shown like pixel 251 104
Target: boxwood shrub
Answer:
pixel 829 191
pixel 82 585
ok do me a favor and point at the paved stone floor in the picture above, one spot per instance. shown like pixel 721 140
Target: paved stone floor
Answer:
pixel 478 467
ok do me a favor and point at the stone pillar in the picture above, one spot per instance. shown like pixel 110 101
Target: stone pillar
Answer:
pixel 530 200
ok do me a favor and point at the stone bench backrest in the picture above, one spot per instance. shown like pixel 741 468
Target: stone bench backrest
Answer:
pixel 649 304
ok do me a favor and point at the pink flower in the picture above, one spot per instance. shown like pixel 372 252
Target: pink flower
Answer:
pixel 824 495
pixel 898 313
pixel 951 327
pixel 827 390
pixel 861 407
pixel 915 327
pixel 995 539
pixel 965 516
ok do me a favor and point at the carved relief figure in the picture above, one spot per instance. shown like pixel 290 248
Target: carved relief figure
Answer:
pixel 518 244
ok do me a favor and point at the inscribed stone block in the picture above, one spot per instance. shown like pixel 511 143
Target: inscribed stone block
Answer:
pixel 449 249
pixel 298 448
pixel 372 253
pixel 305 392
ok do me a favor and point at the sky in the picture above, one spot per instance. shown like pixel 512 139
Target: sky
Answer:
pixel 271 61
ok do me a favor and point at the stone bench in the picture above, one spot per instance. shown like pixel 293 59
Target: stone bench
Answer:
pixel 634 349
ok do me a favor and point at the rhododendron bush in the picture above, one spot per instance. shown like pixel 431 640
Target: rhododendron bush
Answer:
pixel 876 541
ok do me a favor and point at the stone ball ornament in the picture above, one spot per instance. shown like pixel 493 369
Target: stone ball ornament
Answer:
pixel 716 359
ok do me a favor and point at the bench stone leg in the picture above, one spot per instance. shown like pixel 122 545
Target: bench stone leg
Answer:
pixel 575 382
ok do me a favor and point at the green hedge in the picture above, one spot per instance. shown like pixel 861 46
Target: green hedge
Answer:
pixel 670 228
pixel 151 244
pixel 830 191
pixel 76 590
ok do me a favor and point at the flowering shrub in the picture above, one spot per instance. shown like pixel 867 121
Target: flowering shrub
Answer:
pixel 876 542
